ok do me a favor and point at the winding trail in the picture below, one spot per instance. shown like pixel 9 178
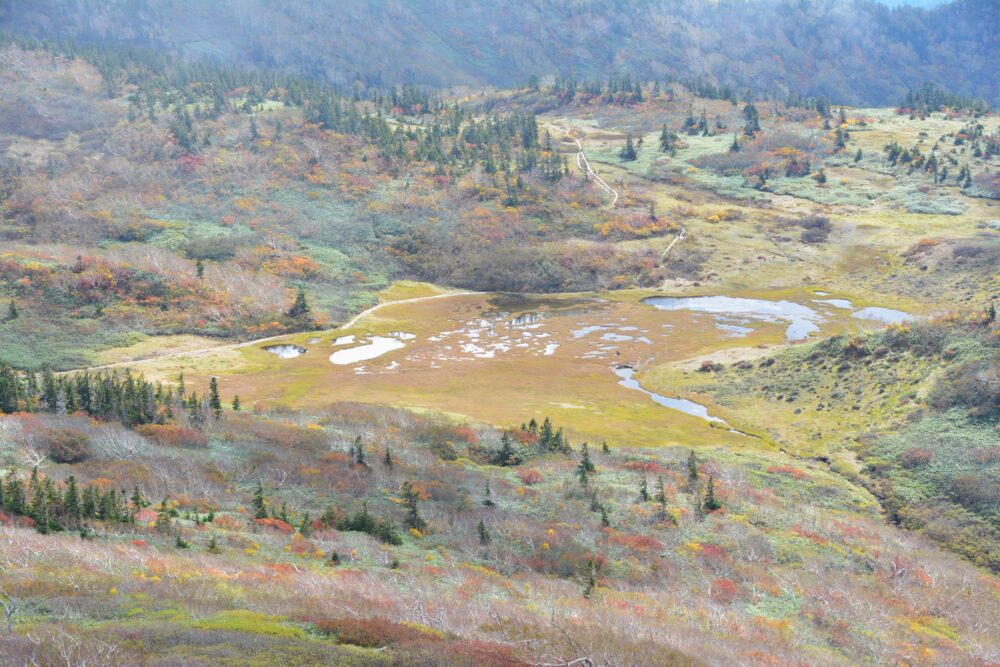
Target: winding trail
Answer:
pixel 584 164
pixel 219 348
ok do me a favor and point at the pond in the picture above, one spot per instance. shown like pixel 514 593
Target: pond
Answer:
pixel 884 315
pixel 731 311
pixel 285 351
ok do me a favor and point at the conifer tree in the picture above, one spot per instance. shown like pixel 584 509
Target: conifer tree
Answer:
pixel 484 533
pixel 214 400
pixel 711 503
pixel 387 459
pixel 300 309
pixel 411 497
pixel 591 581
pixel 692 466
pixel 12 313
pixel 259 503
pixel 488 496
pixel 661 495
pixel 643 489
pixel 236 403
pixel 627 153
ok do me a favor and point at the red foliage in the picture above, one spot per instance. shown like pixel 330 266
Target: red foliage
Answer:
pixel 139 543
pixel 277 524
pixel 916 457
pixel 172 435
pixel 524 437
pixel 789 470
pixel 724 591
pixel 638 543
pixel 5 519
pixel 530 476
pixel 467 434
pixel 373 632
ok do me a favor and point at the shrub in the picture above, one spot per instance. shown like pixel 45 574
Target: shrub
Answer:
pixel 530 476
pixel 372 632
pixel 172 435
pixel 724 591
pixel 67 445
pixel 977 489
pixel 916 456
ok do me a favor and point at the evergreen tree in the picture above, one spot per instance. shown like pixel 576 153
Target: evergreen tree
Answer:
pixel 259 503
pixel 711 504
pixel 305 527
pixel 488 496
pixel 627 153
pixel 591 581
pixel 236 403
pixel 858 156
pixel 12 313
pixel 214 400
pixel 605 521
pixel 300 309
pixel 585 467
pixel 643 489
pixel 661 495
pixel 484 533
pixel 692 466
pixel 387 459
pixel 71 501
pixel 604 447
pixel 411 497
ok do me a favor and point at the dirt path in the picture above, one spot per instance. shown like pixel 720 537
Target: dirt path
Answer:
pixel 584 164
pixel 219 348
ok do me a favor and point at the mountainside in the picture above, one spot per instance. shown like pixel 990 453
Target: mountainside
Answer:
pixel 853 51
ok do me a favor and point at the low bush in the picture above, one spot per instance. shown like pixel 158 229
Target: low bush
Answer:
pixel 172 435
pixel 67 445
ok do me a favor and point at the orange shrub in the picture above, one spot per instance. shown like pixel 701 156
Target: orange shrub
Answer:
pixel 789 470
pixel 172 435
pixel 277 524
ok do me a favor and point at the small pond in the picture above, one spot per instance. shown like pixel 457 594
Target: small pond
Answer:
pixel 801 319
pixel 285 351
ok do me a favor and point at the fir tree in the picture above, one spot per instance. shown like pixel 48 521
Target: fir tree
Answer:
pixel 627 153
pixel 484 533
pixel 488 496
pixel 12 313
pixel 661 495
pixel 585 467
pixel 692 466
pixel 300 309
pixel 236 403
pixel 643 489
pixel 411 497
pixel 214 400
pixel 305 527
pixel 259 503
pixel 591 581
pixel 711 504
pixel 387 459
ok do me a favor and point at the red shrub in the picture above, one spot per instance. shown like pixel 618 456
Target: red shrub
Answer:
pixel 915 457
pixel 67 445
pixel 789 470
pixel 530 476
pixel 986 454
pixel 172 435
pixel 639 543
pixel 277 524
pixel 724 591
pixel 373 632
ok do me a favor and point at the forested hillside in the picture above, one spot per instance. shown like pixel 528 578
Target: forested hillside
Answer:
pixel 855 51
